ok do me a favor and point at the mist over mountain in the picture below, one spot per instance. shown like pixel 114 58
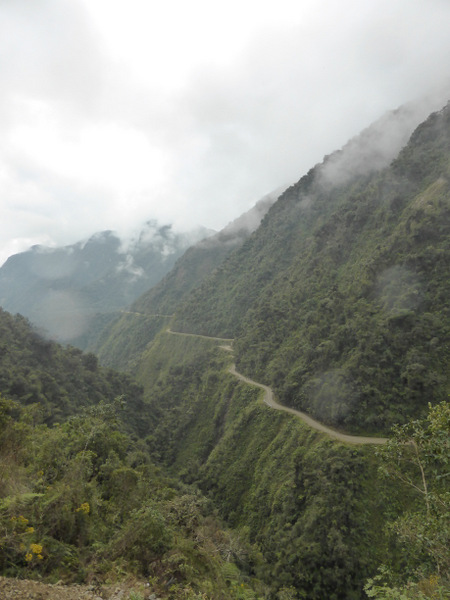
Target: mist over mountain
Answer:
pixel 60 289
pixel 161 300
pixel 333 296
pixel 339 302
pixel 266 250
pixel 342 276
pixel 379 144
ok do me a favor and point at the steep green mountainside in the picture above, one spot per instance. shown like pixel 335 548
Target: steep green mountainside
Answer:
pixel 121 341
pixel 314 507
pixel 340 299
pixel 274 248
pixel 64 289
pixel 201 259
pixel 82 500
pixel 80 496
pixel 347 271
pixel 60 381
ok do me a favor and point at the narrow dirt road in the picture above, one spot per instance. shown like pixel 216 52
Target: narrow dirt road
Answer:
pixel 269 399
pixel 197 335
pixel 130 312
pixel 25 589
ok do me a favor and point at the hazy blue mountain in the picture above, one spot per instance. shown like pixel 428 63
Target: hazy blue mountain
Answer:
pixel 60 289
pixel 161 300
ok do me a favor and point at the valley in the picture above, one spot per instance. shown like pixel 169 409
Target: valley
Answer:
pixel 269 419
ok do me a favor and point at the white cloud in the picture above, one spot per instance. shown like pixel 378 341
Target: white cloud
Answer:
pixel 114 113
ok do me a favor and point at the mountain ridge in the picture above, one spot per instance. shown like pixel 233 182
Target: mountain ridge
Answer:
pixel 63 289
pixel 296 294
pixel 191 268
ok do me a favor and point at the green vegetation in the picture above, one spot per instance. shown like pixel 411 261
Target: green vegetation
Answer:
pixel 310 505
pixel 82 497
pixel 324 515
pixel 60 381
pixel 339 300
pixel 121 342
pixel 418 457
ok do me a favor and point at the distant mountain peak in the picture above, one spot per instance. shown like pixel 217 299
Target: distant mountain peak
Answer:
pixel 56 285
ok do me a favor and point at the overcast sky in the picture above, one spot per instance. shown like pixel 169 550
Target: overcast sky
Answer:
pixel 114 112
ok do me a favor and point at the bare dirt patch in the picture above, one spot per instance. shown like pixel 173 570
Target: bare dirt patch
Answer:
pixel 25 589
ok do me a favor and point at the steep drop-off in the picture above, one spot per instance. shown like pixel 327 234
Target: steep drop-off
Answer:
pixel 122 341
pixel 339 300
pixel 312 505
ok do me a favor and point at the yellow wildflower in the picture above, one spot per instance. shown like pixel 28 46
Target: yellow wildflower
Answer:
pixel 36 548
pixel 29 529
pixel 84 508
pixel 28 557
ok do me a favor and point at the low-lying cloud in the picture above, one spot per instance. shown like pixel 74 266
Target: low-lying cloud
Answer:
pixel 111 115
pixel 378 145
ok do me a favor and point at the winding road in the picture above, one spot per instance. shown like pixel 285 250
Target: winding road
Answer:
pixel 269 399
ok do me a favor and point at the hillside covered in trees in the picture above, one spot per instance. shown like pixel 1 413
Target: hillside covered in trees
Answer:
pixel 81 498
pixel 59 381
pixel 339 302
pixel 340 299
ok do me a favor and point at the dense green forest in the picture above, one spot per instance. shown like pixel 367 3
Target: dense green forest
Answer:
pixel 87 497
pixel 340 299
pixel 178 473
pixel 324 515
pixel 81 496
pixel 60 381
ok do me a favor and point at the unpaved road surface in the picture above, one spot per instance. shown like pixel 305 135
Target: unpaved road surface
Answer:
pixel 269 399
pixel 197 335
pixel 25 589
